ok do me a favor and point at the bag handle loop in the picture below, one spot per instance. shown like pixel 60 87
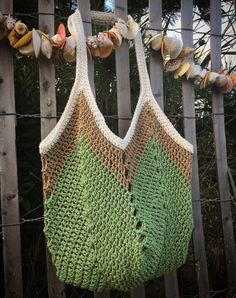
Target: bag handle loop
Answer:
pixel 76 29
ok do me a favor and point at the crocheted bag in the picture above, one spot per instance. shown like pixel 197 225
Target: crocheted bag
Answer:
pixel 117 211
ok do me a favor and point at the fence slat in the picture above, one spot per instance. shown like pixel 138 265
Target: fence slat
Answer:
pixel 156 78
pixel 156 62
pixel 56 288
pixel 123 95
pixel 84 7
pixel 220 146
pixel 190 134
pixel 8 172
pixel 122 74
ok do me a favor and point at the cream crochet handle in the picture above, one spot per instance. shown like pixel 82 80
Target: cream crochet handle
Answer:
pixel 76 29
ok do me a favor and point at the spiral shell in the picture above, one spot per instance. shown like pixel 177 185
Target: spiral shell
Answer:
pixel 21 28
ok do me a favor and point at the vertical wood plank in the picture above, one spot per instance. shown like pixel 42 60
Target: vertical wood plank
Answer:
pixel 123 95
pixel 56 288
pixel 84 7
pixel 122 74
pixel 8 175
pixel 220 146
pixel 156 78
pixel 190 135
pixel 156 62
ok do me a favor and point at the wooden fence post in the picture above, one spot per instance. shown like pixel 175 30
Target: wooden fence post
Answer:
pixel 8 172
pixel 56 289
pixel 220 146
pixel 84 7
pixel 190 135
pixel 156 77
pixel 123 75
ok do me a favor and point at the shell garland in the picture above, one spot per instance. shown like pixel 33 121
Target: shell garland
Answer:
pixel 33 42
pixel 178 60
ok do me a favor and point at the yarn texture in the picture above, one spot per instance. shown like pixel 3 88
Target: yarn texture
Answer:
pixel 118 211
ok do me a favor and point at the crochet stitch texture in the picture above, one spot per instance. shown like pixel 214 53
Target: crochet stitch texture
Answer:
pixel 117 211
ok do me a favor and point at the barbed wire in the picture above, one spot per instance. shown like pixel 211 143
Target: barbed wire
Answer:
pixel 39 219
pixel 177 30
pixel 116 117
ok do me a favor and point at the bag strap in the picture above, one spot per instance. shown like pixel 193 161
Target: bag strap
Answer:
pixel 76 29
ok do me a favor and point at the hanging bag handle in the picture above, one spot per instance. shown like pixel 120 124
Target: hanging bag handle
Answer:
pixel 75 25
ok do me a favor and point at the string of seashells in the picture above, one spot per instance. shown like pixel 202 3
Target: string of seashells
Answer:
pixel 178 59
pixel 33 42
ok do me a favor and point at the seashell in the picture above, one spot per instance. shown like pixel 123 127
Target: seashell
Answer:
pixel 46 47
pixel 173 64
pixel 182 69
pixel 233 78
pixel 228 87
pixel 105 45
pixel 221 81
pixel 133 28
pixel 92 42
pixel 212 77
pixel 58 40
pixel 122 28
pixel 10 22
pixel 36 42
pixel 186 52
pixel 13 37
pixel 21 28
pixel 113 37
pixel 118 42
pixel 193 71
pixel 89 54
pixel 69 50
pixel 204 80
pixel 175 48
pixel 156 42
pixel 24 40
pixel 203 73
pixel 28 49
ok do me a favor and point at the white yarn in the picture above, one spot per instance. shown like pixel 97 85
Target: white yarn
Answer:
pixel 81 84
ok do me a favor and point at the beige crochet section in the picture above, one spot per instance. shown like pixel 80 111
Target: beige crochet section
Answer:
pixel 122 163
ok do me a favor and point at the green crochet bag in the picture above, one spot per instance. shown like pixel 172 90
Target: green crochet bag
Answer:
pixel 117 211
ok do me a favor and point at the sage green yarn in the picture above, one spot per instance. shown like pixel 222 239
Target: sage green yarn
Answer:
pixel 103 236
pixel 162 196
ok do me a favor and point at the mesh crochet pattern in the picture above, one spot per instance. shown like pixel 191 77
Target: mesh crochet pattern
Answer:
pixel 117 211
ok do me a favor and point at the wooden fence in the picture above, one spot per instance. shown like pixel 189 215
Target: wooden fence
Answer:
pixel 8 163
